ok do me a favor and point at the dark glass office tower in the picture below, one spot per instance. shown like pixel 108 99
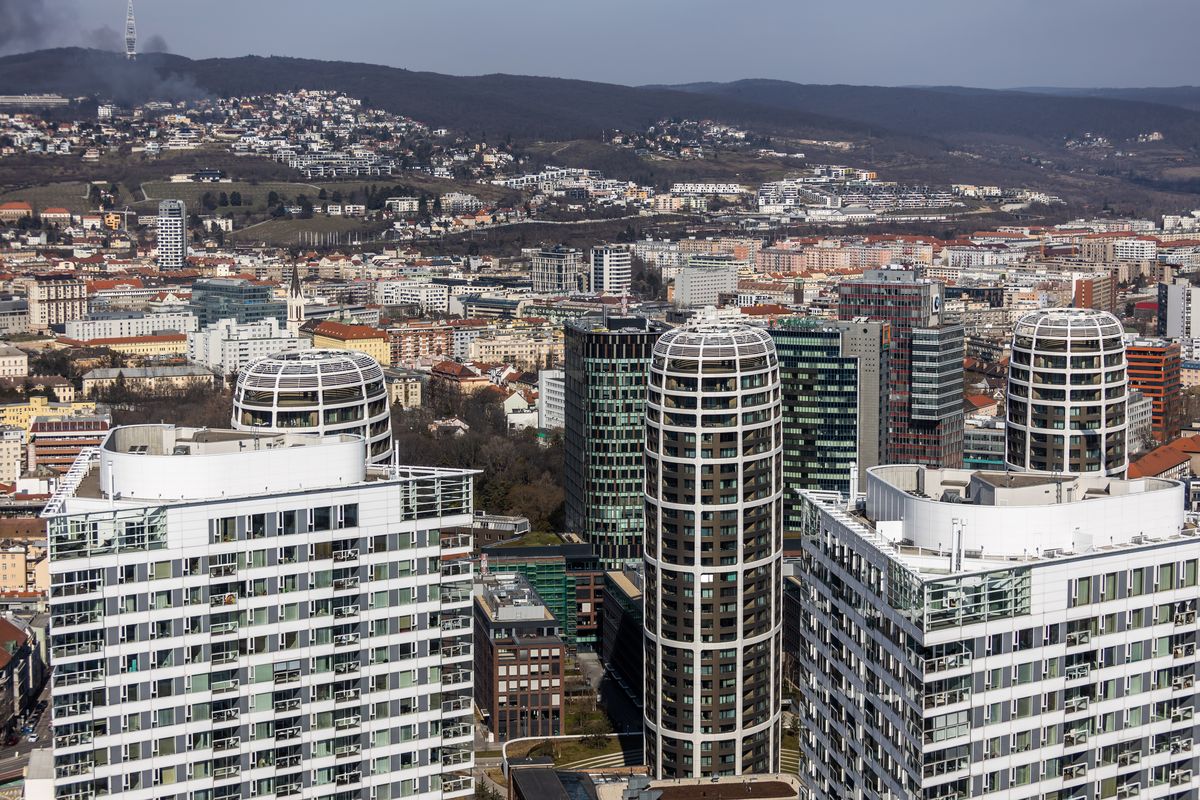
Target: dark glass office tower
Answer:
pixel 606 364
pixel 833 377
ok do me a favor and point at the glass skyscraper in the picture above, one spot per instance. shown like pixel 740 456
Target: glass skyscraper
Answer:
pixel 834 381
pixel 607 361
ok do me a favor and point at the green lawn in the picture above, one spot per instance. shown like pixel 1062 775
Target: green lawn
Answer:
pixel 254 195
pixel 71 196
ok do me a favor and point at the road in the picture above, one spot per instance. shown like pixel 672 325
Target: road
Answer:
pixel 13 759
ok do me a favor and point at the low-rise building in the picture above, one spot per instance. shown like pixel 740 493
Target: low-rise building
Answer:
pixel 162 344
pixel 330 335
pixel 552 399
pixel 14 362
pixel 518 659
pixel 116 325
pixel 151 380
pixel 54 444
pixel 21 415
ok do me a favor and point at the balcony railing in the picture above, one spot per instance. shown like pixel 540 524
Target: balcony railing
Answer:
pixel 78 677
pixel 290 732
pixel 343 695
pixel 347 666
pixel 350 554
pixel 229 771
pixel 351 721
pixel 225 657
pixel 227 744
pixel 347 778
pixel 343 639
pixel 221 628
pixel 341 612
pixel 222 570
pixel 225 599
pixel 287 762
pixel 342 584
pixel 456 704
pixel 225 715
pixel 287 676
pixel 225 686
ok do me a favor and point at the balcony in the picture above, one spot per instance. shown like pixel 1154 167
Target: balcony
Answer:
pixel 1075 738
pixel 225 599
pixel 1181 714
pixel 454 758
pixel 223 628
pixel 455 731
pixel 456 651
pixel 344 695
pixel 456 704
pixel 287 704
pixel 1185 618
pixel 1079 672
pixel 222 570
pixel 1129 759
pixel 225 657
pixel 71 770
pixel 225 686
pixel 456 784
pixel 291 732
pixel 342 612
pixel 344 639
pixel 456 678
pixel 73 739
pixel 347 750
pixel 1074 771
pixel 227 744
pixel 456 542
pixel 287 675
pixel 227 771
pixel 288 789
pixel 288 762
pixel 80 618
pixel 349 554
pixel 70 649
pixel 1181 777
pixel 1076 704
pixel 347 667
pixel 225 715
pixel 79 677
pixel 1183 650
pixel 344 584
pixel 1183 682
pixel 347 778
pixel 1182 744
pixel 351 721
pixel 453 569
pixel 72 709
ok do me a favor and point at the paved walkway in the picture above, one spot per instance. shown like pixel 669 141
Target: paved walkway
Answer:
pixel 625 758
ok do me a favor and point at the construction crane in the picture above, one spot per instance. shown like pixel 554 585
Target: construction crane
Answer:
pixel 130 33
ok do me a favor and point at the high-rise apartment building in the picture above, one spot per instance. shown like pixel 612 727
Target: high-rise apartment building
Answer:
pixel 238 614
pixel 1179 314
pixel 558 270
pixel 54 300
pixel 714 553
pixel 172 234
pixel 925 383
pixel 991 635
pixel 606 365
pixel 239 299
pixel 834 383
pixel 1067 394
pixel 1154 370
pixel 612 270
pixel 705 279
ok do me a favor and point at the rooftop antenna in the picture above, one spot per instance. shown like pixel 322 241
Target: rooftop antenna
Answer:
pixel 130 33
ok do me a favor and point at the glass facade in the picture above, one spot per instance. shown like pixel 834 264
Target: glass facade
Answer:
pixel 238 299
pixel 606 365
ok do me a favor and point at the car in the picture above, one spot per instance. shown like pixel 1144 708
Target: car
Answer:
pixel 41 706
pixel 27 729
pixel 11 739
pixel 33 737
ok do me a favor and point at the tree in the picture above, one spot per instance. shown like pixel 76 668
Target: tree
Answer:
pixel 235 198
pixel 208 202
pixel 223 201
pixel 273 198
pixel 322 195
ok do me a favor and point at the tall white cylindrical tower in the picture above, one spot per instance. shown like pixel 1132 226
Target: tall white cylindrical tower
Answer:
pixel 317 391
pixel 1067 390
pixel 713 553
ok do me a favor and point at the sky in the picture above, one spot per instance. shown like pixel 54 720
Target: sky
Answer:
pixel 985 43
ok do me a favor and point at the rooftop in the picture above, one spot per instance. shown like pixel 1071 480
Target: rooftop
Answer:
pixel 940 522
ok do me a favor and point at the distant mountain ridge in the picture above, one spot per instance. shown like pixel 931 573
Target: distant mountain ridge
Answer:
pixel 557 109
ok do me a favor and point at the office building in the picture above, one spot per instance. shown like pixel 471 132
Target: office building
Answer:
pixel 54 300
pixel 983 443
pixel 316 391
pixel 552 399
pixel 606 363
pixel 1154 370
pixel 54 444
pixel 925 356
pixel 239 299
pixel 622 630
pixel 833 377
pixel 1178 314
pixel 612 270
pixel 225 347
pixel 705 279
pixel 714 553
pixel 239 614
pixel 986 634
pixel 518 660
pixel 126 324
pixel 331 335
pixel 172 235
pixel 1066 394
pixel 558 270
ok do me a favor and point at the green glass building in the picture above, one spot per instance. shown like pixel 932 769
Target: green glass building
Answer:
pixel 833 377
pixel 606 364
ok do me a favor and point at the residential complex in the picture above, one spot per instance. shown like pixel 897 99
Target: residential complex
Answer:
pixel 242 614
pixel 558 271
pixel 606 365
pixel 225 346
pixel 612 270
pixel 1067 388
pixel 988 634
pixel 714 553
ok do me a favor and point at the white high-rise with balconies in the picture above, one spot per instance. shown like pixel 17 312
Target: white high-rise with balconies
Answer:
pixel 239 614
pixel 1067 387
pixel 713 553
pixel 172 234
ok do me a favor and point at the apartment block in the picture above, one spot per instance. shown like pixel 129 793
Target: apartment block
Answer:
pixel 238 614
pixel 998 635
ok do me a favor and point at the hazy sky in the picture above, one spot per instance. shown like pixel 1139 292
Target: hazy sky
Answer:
pixel 991 43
